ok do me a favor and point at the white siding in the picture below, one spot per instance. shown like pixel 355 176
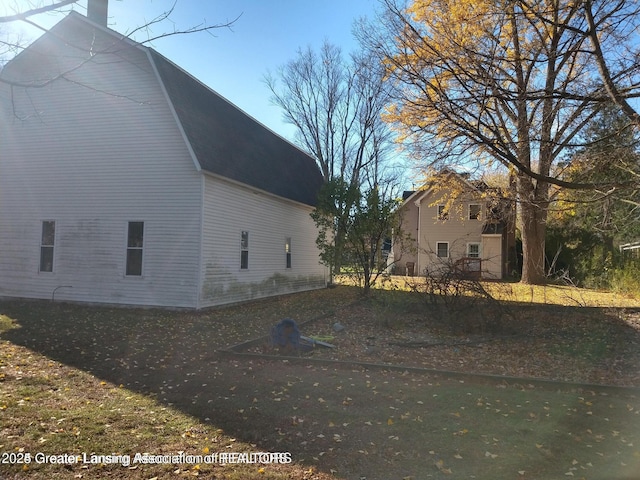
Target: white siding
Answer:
pixel 92 161
pixel 231 209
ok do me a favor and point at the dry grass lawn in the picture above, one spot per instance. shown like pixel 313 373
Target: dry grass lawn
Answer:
pixel 108 381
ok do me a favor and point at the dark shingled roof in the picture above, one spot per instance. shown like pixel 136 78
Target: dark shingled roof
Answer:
pixel 407 193
pixel 228 142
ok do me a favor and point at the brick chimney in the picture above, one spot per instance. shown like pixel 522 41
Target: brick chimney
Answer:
pixel 97 11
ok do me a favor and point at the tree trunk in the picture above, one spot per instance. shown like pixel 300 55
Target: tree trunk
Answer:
pixel 533 235
pixel 533 225
pixel 367 281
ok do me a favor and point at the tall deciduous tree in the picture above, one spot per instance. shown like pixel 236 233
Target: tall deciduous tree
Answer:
pixel 614 37
pixel 510 81
pixel 335 105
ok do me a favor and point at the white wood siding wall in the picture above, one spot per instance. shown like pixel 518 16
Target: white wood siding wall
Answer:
pixel 231 209
pixel 92 161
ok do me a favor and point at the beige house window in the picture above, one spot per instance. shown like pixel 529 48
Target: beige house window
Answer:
pixel 474 211
pixel 442 212
pixel 442 249
pixel 473 250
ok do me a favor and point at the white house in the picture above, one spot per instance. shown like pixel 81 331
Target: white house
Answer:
pixel 124 180
pixel 457 224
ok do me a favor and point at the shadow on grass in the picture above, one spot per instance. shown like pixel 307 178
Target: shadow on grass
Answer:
pixel 357 422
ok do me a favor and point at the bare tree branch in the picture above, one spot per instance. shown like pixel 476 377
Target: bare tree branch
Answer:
pixel 92 52
pixel 605 72
pixel 35 11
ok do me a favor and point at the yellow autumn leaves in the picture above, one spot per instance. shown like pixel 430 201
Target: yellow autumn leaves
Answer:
pixel 437 45
pixel 461 58
pixel 457 23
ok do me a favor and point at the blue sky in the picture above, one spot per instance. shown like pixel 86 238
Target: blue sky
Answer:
pixel 266 35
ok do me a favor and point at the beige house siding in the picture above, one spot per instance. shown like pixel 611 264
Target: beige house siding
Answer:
pixel 492 258
pixel 457 230
pixel 405 254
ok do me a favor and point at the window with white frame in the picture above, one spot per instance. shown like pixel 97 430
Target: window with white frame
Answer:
pixel 135 241
pixel 473 250
pixel 47 243
pixel 442 249
pixel 244 250
pixel 442 212
pixel 475 211
pixel 287 251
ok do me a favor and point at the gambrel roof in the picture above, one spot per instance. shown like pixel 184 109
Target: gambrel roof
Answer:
pixel 224 140
pixel 228 142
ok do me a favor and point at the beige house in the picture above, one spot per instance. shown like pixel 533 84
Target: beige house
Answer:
pixel 458 224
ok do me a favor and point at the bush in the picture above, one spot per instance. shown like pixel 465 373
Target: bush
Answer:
pixel 460 302
pixel 626 279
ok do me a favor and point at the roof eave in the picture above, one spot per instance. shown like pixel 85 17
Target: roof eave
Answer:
pixel 231 181
pixel 176 118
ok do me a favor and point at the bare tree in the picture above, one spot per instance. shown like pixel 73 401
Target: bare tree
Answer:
pixel 32 9
pixel 336 106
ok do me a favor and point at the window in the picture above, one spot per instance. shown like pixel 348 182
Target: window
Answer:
pixel 287 251
pixel 135 240
pixel 473 250
pixel 442 213
pixel 47 241
pixel 442 249
pixel 244 250
pixel 474 211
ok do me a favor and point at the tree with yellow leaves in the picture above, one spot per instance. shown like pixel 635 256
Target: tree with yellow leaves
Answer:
pixel 507 81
